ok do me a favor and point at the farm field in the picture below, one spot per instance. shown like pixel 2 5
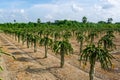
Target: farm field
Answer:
pixel 31 65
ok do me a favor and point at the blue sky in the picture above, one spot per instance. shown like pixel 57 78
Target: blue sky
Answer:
pixel 50 10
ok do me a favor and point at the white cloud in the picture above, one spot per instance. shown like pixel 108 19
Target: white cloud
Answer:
pixel 110 3
pixel 1 10
pixel 114 2
pixel 13 16
pixel 56 10
pixel 76 8
pixel 103 10
pixel 22 10
pixel 66 9
pixel 10 14
pixel 49 17
pixel 97 7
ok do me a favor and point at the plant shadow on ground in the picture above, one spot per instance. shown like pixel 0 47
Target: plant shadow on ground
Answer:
pixel 7 45
pixel 29 52
pixel 117 44
pixel 24 59
pixel 6 42
pixel 17 53
pixel 117 70
pixel 40 70
pixel 13 48
pixel 117 53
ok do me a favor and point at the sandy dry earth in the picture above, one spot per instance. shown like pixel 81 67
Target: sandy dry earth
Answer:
pixel 32 66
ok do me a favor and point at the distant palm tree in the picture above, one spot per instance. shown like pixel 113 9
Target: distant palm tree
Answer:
pixel 92 54
pixel 62 47
pixel 84 19
pixel 38 20
pixel 109 20
pixel 14 21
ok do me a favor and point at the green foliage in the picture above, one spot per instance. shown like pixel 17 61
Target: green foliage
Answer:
pixel 1 69
pixel 62 47
pixel 84 19
pixel 56 35
pixel 109 20
pixel 80 38
pixel 46 42
pixel 107 41
pixel 67 35
pixel 94 54
pixel 38 21
pixel 92 36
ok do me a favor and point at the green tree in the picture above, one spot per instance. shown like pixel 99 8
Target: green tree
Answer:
pixel 38 21
pixel 46 42
pixel 62 47
pixel 95 54
pixel 34 40
pixel 23 37
pixel 56 35
pixel 18 35
pixel 109 20
pixel 28 39
pixel 107 41
pixel 92 36
pixel 14 21
pixel 101 22
pixel 80 38
pixel 40 33
pixel 67 35
pixel 84 19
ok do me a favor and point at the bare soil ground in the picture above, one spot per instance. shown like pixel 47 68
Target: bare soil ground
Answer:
pixel 33 66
